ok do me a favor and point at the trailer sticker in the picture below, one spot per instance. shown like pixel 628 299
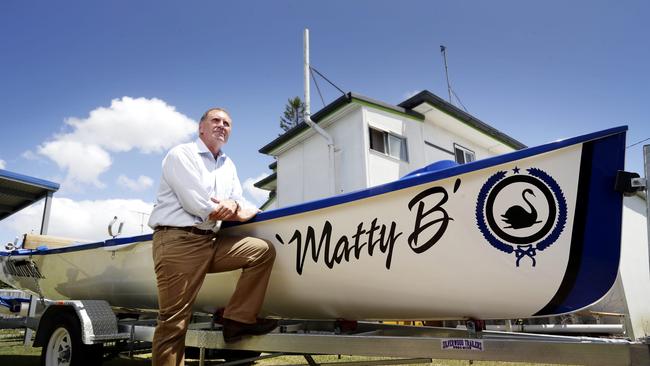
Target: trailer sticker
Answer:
pixel 463 345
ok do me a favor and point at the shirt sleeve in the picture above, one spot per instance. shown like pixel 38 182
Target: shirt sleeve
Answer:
pixel 182 174
pixel 238 193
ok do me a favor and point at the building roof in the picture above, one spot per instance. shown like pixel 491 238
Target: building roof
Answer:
pixel 406 108
pixel 330 108
pixel 428 97
pixel 266 182
pixel 18 191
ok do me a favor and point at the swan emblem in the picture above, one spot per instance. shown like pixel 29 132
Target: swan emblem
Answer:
pixel 525 243
pixel 517 217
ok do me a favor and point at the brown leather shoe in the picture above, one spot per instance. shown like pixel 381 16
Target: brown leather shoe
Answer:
pixel 233 330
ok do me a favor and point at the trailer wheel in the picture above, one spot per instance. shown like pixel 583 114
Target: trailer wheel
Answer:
pixel 64 347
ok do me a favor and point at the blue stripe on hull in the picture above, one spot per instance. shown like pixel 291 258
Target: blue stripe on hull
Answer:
pixel 595 243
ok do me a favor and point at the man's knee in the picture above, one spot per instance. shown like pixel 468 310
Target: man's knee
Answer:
pixel 265 248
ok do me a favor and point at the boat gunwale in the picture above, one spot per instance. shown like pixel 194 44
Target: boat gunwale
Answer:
pixel 403 183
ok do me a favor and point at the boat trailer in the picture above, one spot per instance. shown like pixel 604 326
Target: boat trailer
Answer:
pixel 92 328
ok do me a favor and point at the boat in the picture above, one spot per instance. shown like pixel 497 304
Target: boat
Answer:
pixel 535 232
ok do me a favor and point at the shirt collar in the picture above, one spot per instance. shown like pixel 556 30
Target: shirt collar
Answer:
pixel 203 149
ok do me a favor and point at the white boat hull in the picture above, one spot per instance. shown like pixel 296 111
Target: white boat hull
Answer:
pixel 433 246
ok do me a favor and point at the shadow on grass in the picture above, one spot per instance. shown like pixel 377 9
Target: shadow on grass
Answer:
pixel 20 360
pixel 127 362
pixel 34 360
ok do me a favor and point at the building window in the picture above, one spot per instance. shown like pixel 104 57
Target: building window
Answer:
pixel 389 144
pixel 463 155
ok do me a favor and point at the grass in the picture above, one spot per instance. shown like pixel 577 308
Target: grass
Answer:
pixel 13 353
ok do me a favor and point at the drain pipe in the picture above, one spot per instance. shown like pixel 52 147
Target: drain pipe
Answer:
pixel 307 117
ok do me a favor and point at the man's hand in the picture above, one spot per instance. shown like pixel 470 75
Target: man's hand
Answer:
pixel 229 210
pixel 225 210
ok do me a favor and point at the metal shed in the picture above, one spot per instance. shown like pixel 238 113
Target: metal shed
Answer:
pixel 18 191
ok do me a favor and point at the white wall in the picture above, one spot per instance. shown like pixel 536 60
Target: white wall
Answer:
pixel 439 136
pixel 383 168
pixel 316 175
pixel 630 294
pixel 634 269
pixel 303 170
pixel 350 160
pixel 483 144
pixel 290 177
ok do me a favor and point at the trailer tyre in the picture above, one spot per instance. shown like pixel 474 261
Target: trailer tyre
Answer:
pixel 63 346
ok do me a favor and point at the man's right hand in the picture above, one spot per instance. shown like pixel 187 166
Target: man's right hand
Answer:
pixel 225 210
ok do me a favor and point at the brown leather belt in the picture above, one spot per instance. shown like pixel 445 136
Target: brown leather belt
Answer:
pixel 189 229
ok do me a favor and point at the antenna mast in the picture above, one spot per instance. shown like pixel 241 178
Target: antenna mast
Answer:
pixel 443 49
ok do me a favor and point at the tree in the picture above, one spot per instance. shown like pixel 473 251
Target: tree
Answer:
pixel 293 114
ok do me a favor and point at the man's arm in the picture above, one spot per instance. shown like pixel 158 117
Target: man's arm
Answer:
pixel 237 208
pixel 182 175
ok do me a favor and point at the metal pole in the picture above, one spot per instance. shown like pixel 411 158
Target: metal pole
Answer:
pixel 646 165
pixel 307 115
pixel 45 222
pixel 31 312
pixel 306 70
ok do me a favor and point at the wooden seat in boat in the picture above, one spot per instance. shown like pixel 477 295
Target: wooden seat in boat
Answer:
pixel 33 241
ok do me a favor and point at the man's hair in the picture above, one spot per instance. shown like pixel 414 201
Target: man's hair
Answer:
pixel 205 115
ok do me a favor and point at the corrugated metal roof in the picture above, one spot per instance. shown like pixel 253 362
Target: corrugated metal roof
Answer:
pixel 18 191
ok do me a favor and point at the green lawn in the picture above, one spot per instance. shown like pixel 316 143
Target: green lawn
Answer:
pixel 13 353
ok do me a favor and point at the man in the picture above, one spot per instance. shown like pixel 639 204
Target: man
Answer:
pixel 198 190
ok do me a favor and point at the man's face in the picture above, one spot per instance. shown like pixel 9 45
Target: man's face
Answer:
pixel 215 128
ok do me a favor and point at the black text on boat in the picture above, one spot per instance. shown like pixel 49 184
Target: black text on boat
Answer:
pixel 373 237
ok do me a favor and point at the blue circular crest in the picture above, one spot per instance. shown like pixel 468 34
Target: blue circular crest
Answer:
pixel 528 246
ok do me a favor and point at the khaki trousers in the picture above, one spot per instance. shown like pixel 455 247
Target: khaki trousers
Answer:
pixel 181 261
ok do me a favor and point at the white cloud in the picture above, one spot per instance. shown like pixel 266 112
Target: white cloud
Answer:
pixel 3 164
pixel 146 125
pixel 254 194
pixel 30 155
pixel 85 220
pixel 143 182
pixel 84 162
pixel 149 125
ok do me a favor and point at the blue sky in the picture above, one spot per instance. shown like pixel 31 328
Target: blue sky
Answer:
pixel 536 71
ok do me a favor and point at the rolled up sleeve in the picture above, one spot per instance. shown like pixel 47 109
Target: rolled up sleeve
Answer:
pixel 183 176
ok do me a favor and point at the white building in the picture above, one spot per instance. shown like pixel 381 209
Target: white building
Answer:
pixel 377 143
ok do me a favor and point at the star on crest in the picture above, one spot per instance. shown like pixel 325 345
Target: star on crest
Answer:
pixel 516 170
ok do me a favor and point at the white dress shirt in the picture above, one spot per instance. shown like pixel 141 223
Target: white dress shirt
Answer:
pixel 191 175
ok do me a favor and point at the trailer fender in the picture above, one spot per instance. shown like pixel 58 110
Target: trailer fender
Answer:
pixel 97 321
